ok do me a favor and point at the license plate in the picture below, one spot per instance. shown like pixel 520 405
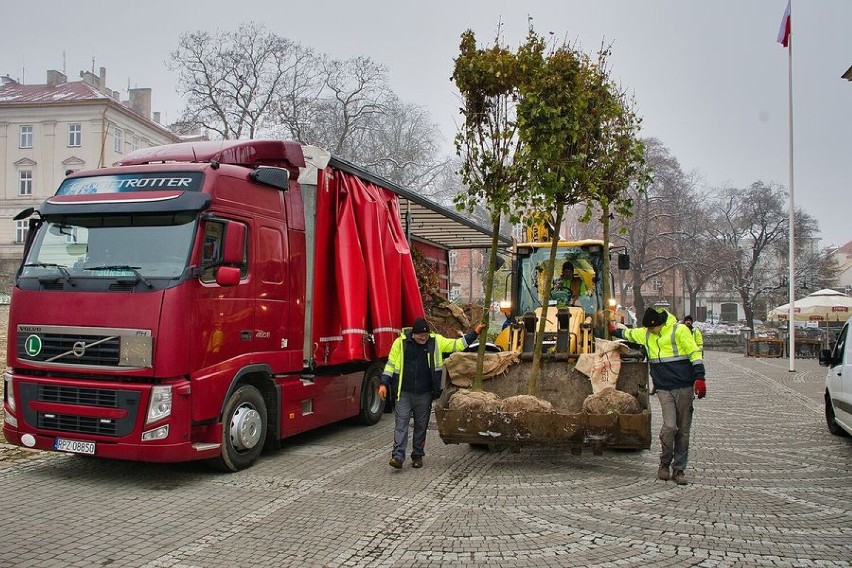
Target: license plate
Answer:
pixel 74 446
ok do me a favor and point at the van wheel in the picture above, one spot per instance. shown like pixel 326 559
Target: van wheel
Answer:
pixel 829 419
pixel 243 430
pixel 372 407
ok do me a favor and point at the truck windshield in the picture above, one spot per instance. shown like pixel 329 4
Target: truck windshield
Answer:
pixel 582 292
pixel 140 247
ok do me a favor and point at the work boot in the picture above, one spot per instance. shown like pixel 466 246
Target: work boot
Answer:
pixel 679 478
pixel 663 472
pixel 395 463
pixel 417 462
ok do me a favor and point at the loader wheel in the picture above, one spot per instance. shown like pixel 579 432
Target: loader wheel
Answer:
pixel 372 407
pixel 243 430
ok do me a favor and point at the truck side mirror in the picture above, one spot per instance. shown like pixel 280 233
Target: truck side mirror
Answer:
pixel 235 244
pixel 624 261
pixel 227 276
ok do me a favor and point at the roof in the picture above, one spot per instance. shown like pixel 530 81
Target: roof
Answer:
pixel 430 221
pixel 74 91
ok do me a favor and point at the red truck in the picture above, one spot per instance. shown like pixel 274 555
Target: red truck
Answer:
pixel 202 301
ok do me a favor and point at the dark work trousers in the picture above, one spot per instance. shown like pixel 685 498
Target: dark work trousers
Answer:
pixel 677 420
pixel 419 405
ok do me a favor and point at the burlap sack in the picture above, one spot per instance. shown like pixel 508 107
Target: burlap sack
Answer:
pixel 461 366
pixel 525 403
pixel 611 401
pixel 474 401
pixel 602 366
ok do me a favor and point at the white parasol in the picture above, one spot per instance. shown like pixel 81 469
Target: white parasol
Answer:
pixel 823 305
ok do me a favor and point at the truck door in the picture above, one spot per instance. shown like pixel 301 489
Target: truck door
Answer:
pixel 222 315
pixel 273 342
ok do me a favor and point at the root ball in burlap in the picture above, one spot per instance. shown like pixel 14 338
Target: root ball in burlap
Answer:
pixel 611 401
pixel 475 401
pixel 525 403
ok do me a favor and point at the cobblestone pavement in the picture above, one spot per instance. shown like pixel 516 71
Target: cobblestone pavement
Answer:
pixel 769 487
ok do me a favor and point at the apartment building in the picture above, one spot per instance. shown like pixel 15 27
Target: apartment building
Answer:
pixel 48 130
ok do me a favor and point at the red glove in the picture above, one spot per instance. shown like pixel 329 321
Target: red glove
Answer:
pixel 700 388
pixel 383 392
pixel 478 329
pixel 612 327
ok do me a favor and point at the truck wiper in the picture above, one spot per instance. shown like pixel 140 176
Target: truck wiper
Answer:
pixel 133 269
pixel 65 275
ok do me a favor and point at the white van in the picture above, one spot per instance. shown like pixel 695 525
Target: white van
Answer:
pixel 838 383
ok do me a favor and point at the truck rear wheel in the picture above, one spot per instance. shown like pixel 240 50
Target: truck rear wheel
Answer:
pixel 243 430
pixel 372 407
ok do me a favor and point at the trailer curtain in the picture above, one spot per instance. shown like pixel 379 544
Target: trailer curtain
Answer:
pixel 365 286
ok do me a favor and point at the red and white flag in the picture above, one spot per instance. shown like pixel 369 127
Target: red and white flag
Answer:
pixel 784 31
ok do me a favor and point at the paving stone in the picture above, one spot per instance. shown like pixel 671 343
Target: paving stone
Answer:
pixel 769 486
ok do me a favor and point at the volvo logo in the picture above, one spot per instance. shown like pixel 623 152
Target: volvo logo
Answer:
pixel 79 349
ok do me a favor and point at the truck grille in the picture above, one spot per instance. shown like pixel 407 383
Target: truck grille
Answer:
pixel 73 349
pixel 67 421
pixel 77 424
pixel 75 395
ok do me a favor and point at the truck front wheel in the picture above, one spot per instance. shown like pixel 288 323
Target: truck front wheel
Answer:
pixel 243 430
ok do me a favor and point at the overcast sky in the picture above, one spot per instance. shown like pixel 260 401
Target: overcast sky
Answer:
pixel 708 76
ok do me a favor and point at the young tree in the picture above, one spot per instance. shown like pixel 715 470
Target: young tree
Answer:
pixel 563 102
pixel 615 163
pixel 488 143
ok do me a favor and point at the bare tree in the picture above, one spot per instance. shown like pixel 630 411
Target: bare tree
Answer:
pixel 251 82
pixel 229 77
pixel 652 232
pixel 750 224
pixel 402 144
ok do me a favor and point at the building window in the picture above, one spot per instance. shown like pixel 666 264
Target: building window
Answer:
pixel 75 135
pixel 118 141
pixel 135 144
pixel 25 182
pixel 21 230
pixel 26 137
pixel 657 284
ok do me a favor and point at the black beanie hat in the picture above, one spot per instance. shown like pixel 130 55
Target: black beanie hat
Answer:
pixel 652 318
pixel 420 326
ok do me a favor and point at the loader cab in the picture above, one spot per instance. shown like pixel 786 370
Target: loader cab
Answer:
pixel 577 286
pixel 576 297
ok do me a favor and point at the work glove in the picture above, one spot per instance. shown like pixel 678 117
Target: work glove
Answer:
pixel 383 392
pixel 700 388
pixel 478 329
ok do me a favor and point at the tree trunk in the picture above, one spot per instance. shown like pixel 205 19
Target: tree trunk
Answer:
pixel 489 292
pixel 532 382
pixel 607 270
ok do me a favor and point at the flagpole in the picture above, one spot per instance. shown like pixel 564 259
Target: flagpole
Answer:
pixel 792 212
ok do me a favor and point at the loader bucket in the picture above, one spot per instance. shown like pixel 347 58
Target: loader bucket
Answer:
pixel 567 426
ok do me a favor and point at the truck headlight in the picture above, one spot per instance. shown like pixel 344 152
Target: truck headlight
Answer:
pixel 156 434
pixel 160 405
pixel 8 391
